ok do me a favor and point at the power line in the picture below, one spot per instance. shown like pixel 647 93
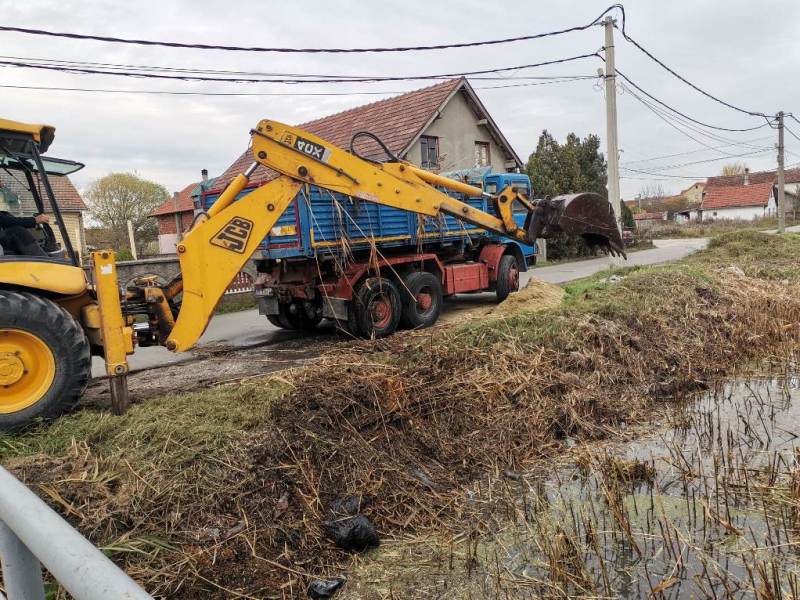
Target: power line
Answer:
pixel 674 118
pixel 708 160
pixel 681 77
pixel 667 175
pixel 676 111
pixel 172 44
pixel 102 66
pixel 654 158
pixel 187 77
pixel 790 132
pixel 669 118
pixel 288 94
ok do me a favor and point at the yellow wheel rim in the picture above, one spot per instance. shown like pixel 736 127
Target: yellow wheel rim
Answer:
pixel 27 369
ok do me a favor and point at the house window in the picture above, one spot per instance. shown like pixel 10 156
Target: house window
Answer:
pixel 482 158
pixel 429 146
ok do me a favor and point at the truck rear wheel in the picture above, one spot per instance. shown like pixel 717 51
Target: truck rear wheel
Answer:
pixel 45 363
pixel 298 318
pixel 376 309
pixel 294 321
pixel 422 300
pixel 507 277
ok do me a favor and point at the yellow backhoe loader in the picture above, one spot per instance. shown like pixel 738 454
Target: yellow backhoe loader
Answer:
pixel 54 314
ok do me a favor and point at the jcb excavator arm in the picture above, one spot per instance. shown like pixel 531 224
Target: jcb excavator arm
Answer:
pixel 220 244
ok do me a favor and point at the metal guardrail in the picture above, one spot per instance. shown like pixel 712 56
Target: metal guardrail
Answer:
pixel 33 534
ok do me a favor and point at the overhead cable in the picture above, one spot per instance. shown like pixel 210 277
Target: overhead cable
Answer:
pixel 187 77
pixel 288 50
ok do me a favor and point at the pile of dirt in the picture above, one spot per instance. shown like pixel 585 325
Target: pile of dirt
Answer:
pixel 408 424
pixel 537 295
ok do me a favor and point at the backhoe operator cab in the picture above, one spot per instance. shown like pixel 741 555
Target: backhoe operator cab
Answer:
pixel 44 348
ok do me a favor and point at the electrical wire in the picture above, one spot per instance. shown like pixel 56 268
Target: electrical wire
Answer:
pixel 172 44
pixel 667 175
pixel 685 116
pixel 671 120
pixel 288 94
pixel 709 160
pixel 259 94
pixel 672 72
pixel 654 158
pixel 187 77
pixel 594 22
pixel 790 132
pixel 147 68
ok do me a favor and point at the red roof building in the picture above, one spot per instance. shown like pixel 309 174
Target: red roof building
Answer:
pixel 739 201
pixel 442 127
pixel 747 178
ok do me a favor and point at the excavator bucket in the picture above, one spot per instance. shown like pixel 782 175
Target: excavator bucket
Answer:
pixel 586 214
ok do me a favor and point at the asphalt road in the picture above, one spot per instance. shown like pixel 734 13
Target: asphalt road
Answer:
pixel 248 328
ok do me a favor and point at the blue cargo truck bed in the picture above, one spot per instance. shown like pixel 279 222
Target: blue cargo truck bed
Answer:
pixel 319 223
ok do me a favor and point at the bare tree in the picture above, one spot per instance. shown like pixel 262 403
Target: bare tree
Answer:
pixel 649 194
pixel 734 168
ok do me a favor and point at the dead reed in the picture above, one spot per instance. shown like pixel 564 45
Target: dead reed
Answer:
pixel 227 500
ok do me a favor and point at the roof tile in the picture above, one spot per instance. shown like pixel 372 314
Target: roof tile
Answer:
pixel 396 121
pixel 185 203
pixel 754 194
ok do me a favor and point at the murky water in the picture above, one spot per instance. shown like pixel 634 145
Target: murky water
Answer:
pixel 707 508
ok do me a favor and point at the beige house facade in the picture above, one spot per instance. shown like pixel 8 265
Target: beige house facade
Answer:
pixel 69 202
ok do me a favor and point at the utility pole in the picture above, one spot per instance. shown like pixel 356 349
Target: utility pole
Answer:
pixel 781 191
pixel 612 145
pixel 132 240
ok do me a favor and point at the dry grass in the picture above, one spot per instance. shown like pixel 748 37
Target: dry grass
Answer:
pixel 670 229
pixel 222 493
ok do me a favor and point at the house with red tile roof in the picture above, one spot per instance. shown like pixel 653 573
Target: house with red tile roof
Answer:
pixel 176 214
pixel 69 201
pixel 443 127
pixel 743 201
pixel 791 183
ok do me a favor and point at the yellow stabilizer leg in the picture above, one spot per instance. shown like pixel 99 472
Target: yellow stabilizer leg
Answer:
pixel 117 336
pixel 214 251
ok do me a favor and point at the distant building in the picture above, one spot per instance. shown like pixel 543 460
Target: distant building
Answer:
pixel 176 214
pixel 694 193
pixel 681 206
pixel 745 201
pixel 732 182
pixel 647 219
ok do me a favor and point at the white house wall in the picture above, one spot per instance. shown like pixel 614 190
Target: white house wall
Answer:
pixel 744 213
pixel 458 130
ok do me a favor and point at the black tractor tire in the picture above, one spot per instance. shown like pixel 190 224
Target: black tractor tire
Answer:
pixel 40 321
pixel 421 293
pixel 376 308
pixel 507 277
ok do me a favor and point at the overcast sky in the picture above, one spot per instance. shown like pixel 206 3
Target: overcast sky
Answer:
pixel 747 53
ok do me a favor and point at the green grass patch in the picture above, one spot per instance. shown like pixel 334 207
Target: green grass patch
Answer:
pixel 190 425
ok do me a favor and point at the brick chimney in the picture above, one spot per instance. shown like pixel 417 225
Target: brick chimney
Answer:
pixel 746 176
pixel 204 175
